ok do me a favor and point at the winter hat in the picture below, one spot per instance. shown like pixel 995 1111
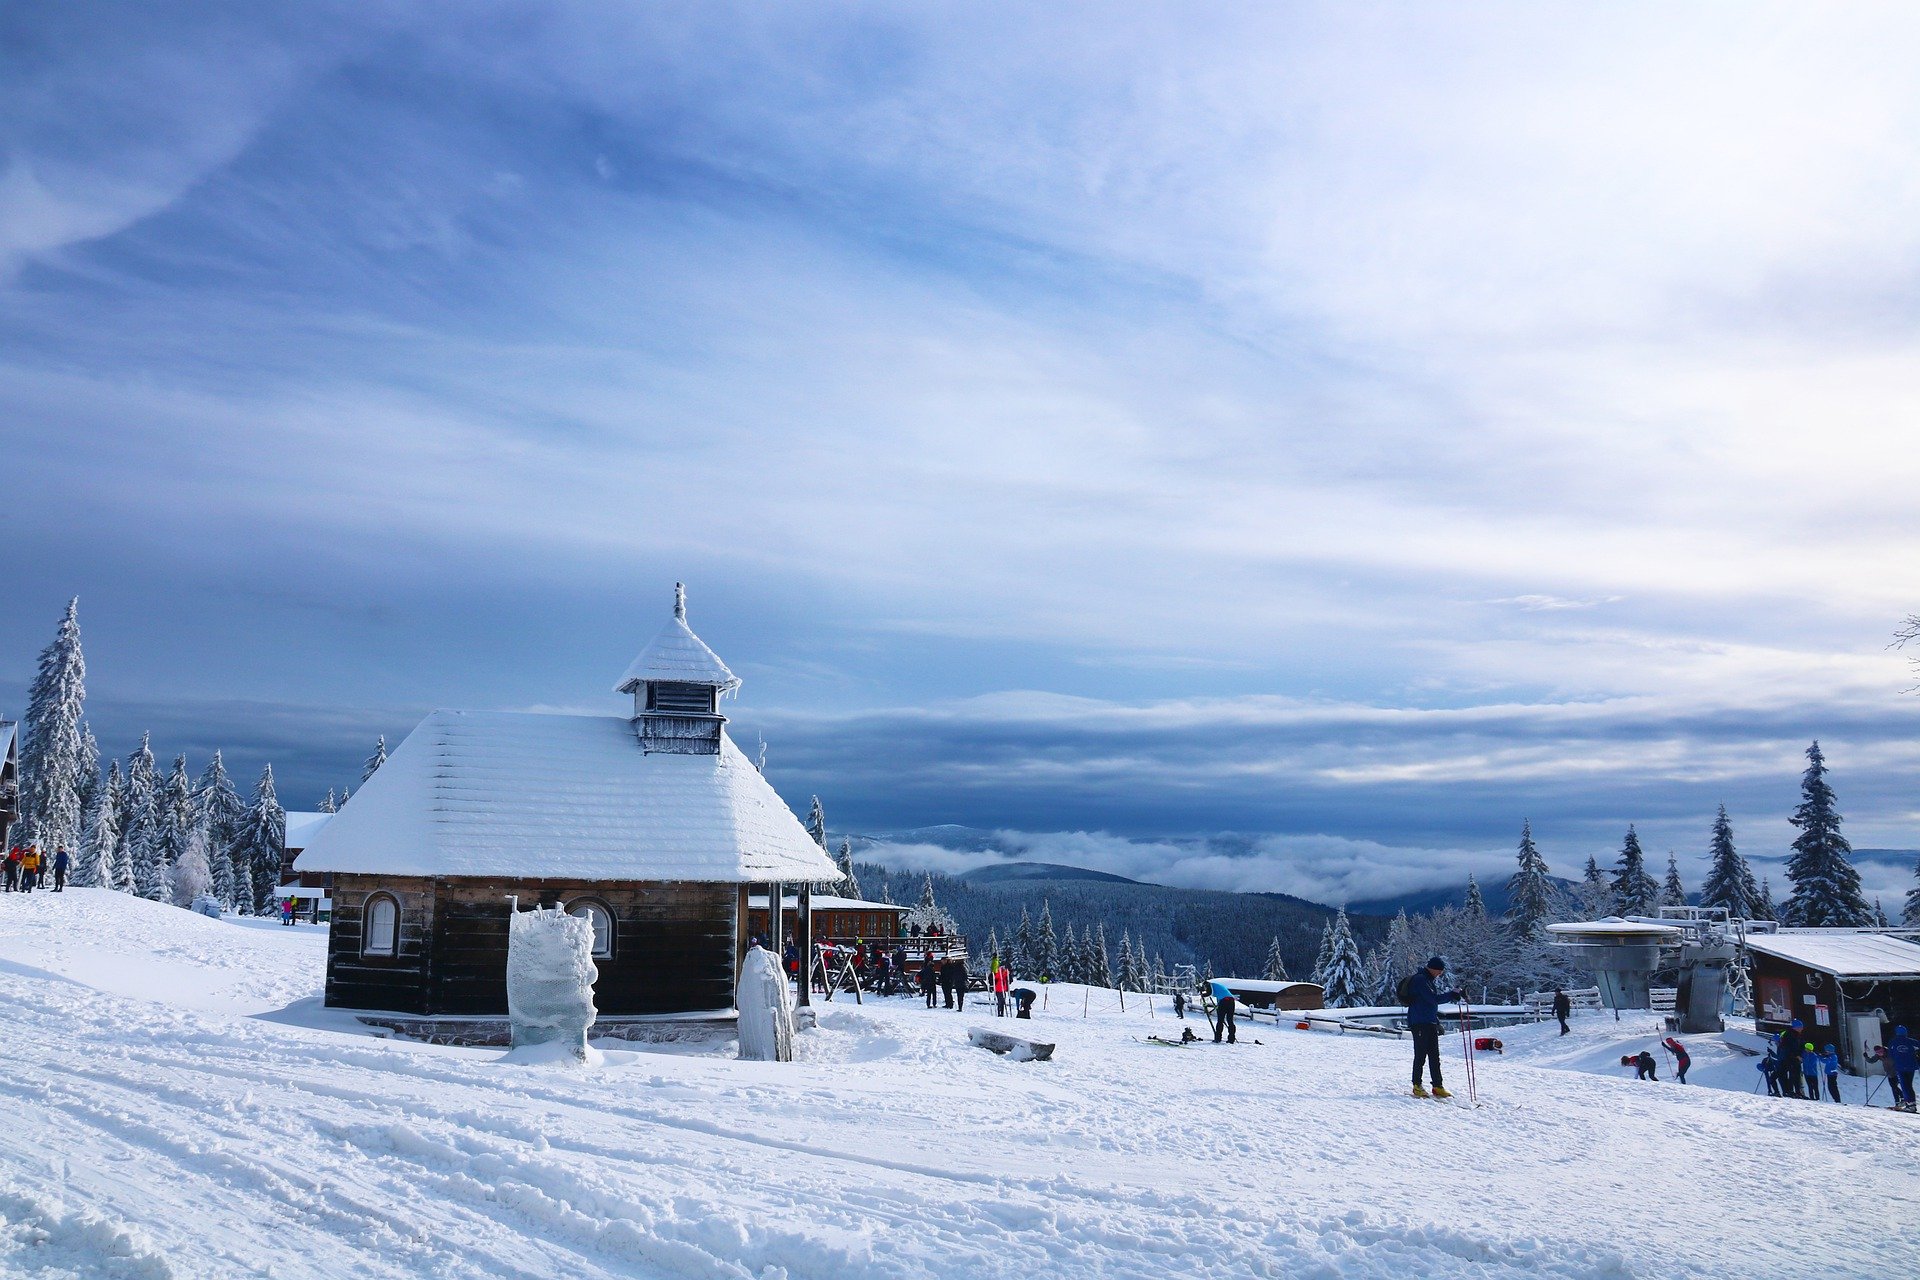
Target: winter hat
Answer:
pixel 1899 1031
pixel 1436 963
pixel 1809 1046
pixel 1796 1024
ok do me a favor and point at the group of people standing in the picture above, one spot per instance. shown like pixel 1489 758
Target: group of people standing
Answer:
pixel 27 869
pixel 1794 1068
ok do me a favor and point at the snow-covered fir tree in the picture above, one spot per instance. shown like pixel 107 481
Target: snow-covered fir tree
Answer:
pixel 1046 945
pixel 1022 956
pixel 849 886
pixel 817 823
pixel 1380 981
pixel 374 761
pixel 1763 908
pixel 143 821
pixel 331 804
pixel 1133 969
pixel 99 836
pixel 1911 915
pixel 1826 888
pixel 1275 969
pixel 1070 956
pixel 1635 893
pixel 175 821
pixel 1344 978
pixel 222 813
pixel 1880 920
pixel 1593 896
pixel 1729 881
pixel 261 844
pixel 53 754
pixel 927 915
pixel 89 771
pixel 192 874
pixel 1672 892
pixel 1532 900
pixel 1158 975
pixel 1321 961
pixel 1472 939
pixel 1399 946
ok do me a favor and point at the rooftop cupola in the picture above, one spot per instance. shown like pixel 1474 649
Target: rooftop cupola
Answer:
pixel 677 683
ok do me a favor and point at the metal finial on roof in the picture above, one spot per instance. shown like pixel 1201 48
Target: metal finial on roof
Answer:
pixel 680 601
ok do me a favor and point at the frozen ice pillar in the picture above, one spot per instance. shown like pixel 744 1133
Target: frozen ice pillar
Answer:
pixel 766 1019
pixel 550 973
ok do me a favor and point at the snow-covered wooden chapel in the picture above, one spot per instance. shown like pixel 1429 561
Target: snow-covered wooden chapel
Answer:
pixel 650 825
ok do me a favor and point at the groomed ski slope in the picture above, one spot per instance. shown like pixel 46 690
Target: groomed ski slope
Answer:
pixel 172 1116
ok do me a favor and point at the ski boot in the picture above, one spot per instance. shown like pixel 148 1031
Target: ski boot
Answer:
pixel 1418 1092
pixel 1439 1091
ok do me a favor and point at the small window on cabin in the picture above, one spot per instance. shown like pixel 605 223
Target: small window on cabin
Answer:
pixel 691 699
pixel 602 921
pixel 382 926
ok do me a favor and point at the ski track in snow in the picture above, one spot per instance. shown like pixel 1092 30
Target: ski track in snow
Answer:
pixel 162 1128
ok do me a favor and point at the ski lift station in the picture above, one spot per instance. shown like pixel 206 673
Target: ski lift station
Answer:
pixel 650 825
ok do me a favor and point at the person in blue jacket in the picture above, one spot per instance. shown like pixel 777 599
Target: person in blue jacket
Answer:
pixel 1906 1059
pixel 1810 1068
pixel 1830 1064
pixel 1424 999
pixel 1787 1045
pixel 1225 1007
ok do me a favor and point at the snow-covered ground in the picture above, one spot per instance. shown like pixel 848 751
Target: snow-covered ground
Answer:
pixel 180 1107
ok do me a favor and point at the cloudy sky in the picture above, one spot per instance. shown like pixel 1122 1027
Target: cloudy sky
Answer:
pixel 1353 428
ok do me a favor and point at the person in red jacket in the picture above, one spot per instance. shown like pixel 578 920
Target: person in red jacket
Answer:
pixel 13 869
pixel 1002 980
pixel 1680 1059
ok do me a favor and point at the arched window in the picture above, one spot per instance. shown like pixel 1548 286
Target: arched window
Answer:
pixel 601 919
pixel 382 926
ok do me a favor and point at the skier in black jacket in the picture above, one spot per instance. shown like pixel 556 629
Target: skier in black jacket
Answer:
pixel 1562 1009
pixel 929 979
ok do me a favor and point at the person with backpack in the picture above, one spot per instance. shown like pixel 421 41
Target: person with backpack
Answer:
pixel 1225 1006
pixel 61 861
pixel 1769 1067
pixel 1562 1009
pixel 1906 1059
pixel 1421 994
pixel 1681 1061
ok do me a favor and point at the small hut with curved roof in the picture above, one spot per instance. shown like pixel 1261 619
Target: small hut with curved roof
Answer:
pixel 649 825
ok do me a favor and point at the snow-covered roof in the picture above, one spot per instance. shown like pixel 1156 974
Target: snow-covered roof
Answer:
pixel 1614 928
pixel 7 730
pixel 473 793
pixel 1266 985
pixel 825 902
pixel 678 655
pixel 1845 955
pixel 303 826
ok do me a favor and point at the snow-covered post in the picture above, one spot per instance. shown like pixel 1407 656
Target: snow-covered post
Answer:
pixel 766 1017
pixel 550 973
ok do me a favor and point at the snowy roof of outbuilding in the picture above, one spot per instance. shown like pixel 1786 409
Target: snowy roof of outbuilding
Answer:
pixel 1845 955
pixel 303 826
pixel 493 793
pixel 677 655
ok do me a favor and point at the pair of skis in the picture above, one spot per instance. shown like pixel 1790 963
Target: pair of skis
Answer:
pixel 1466 1043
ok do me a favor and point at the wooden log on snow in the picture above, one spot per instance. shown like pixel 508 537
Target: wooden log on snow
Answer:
pixel 1020 1050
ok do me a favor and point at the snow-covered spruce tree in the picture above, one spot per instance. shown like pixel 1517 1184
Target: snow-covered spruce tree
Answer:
pixel 374 761
pixel 1344 978
pixel 89 773
pixel 1023 947
pixel 1593 896
pixel 99 836
pixel 174 805
pixel 331 804
pixel 817 823
pixel 1672 892
pixel 1275 969
pixel 1046 945
pixel 1132 975
pixel 1532 900
pixel 261 844
pixel 192 874
pixel 1826 888
pixel 1763 908
pixel 1099 959
pixel 1911 915
pixel 850 886
pixel 927 914
pixel 1635 893
pixel 221 813
pixel 1880 920
pixel 53 760
pixel 118 859
pixel 1070 956
pixel 1158 975
pixel 1472 940
pixel 1729 879
pixel 144 817
pixel 1325 957
pixel 1399 946
pixel 1380 983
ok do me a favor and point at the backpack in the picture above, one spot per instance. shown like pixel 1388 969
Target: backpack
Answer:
pixel 1404 992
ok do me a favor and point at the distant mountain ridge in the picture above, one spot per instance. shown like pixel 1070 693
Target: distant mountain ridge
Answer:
pixel 1004 871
